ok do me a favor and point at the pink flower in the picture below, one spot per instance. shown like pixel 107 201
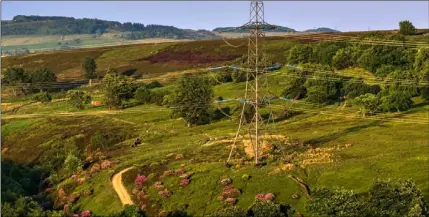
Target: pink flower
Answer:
pixel 230 191
pixel 74 177
pixel 169 172
pixel 140 179
pixel 231 201
pixel 106 164
pixel 85 213
pixel 269 197
pixel 95 168
pixel 158 185
pixel 48 190
pixel 260 196
pixel 179 172
pixel 184 182
pixel 164 194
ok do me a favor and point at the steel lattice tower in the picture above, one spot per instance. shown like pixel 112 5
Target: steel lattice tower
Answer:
pixel 256 91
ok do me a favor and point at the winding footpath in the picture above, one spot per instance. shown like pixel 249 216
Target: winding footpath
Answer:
pixel 120 188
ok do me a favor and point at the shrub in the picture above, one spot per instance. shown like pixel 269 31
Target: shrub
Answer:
pixel 139 180
pixel 384 70
pixel 323 90
pixel 263 208
pixel 154 84
pixel 369 103
pixel 143 94
pixel 42 97
pixel 248 114
pixel 238 76
pixel 343 59
pixel 355 87
pixel 231 211
pixel 394 99
pixel 300 53
pixel 78 98
pixel 406 28
pixel 294 86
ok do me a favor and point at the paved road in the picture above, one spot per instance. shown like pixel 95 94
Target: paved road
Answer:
pixel 120 188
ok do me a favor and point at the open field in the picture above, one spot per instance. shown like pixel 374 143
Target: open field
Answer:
pixel 329 145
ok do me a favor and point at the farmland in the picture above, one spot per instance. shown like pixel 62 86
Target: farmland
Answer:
pixel 330 145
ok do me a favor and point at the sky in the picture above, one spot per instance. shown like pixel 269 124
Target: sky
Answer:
pixel 299 15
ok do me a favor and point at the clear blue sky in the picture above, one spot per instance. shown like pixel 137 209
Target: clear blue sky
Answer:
pixel 342 15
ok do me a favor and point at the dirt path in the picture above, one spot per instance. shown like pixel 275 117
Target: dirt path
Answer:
pixel 120 188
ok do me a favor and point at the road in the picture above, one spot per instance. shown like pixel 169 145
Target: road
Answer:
pixel 120 188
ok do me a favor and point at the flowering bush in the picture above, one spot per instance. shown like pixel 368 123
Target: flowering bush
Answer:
pixel 231 201
pixel 169 172
pixel 220 198
pixel 74 177
pixel 95 168
pixel 139 180
pixel 179 171
pixel 269 197
pixel 164 194
pixel 48 190
pixel 260 196
pixel 230 191
pixel 184 182
pixel 61 193
pixel 106 164
pixel 158 185
pixel 141 195
pixel 85 213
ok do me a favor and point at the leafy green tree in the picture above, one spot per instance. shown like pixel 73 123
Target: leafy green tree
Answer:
pixel 300 53
pixel 369 103
pixel 393 98
pixel 385 70
pixel 43 75
pixel 343 59
pixel 424 77
pixel 396 199
pixel 42 97
pixel 72 163
pixel 421 59
pixel 323 52
pixel 193 98
pixel 334 203
pixel 355 87
pixel 78 98
pixel 238 76
pixel 143 94
pixel 406 28
pixel 116 89
pixel 294 85
pixel 14 75
pixel 89 68
pixel 230 211
pixel 323 88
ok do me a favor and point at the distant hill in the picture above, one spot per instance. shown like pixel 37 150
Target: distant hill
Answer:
pixel 56 25
pixel 322 29
pixel 233 29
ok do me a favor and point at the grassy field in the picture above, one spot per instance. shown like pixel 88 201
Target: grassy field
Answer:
pixel 375 145
pixel 335 146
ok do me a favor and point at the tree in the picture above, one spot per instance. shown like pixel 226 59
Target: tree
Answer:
pixel 116 89
pixel 396 199
pixel 355 87
pixel 72 163
pixel 422 59
pixel 238 76
pixel 343 59
pixel 89 68
pixel 300 54
pixel 324 88
pixel 42 97
pixel 143 94
pixel 78 98
pixel 294 85
pixel 323 52
pixel 384 70
pixel 369 104
pixel 14 75
pixel 192 100
pixel 334 203
pixel 394 99
pixel 42 78
pixel 406 28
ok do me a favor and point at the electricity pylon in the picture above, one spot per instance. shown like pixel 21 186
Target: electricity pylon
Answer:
pixel 256 90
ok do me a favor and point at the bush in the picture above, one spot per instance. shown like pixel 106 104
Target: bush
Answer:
pixel 406 28
pixel 78 98
pixel 394 99
pixel 154 84
pixel 263 208
pixel 343 59
pixel 221 113
pixel 42 97
pixel 384 70
pixel 239 76
pixel 294 86
pixel 143 94
pixel 249 112
pixel 369 103
pixel 300 53
pixel 324 89
pixel 355 87
pixel 117 89
pixel 231 211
